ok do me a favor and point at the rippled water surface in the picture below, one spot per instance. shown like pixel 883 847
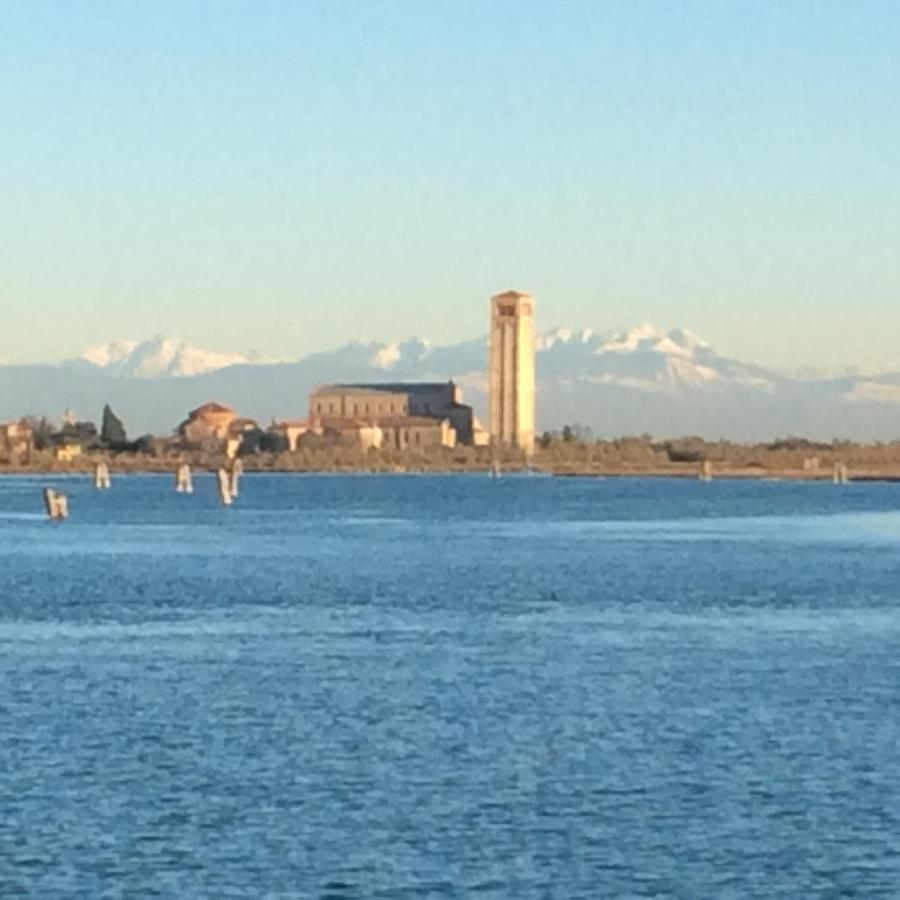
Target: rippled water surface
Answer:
pixel 450 687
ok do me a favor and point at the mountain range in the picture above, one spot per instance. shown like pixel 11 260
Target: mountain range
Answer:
pixel 642 380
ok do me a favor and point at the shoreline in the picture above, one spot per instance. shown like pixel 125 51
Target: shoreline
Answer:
pixel 885 474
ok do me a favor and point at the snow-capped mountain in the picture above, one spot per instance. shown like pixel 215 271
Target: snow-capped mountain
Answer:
pixel 885 389
pixel 161 357
pixel 641 380
pixel 108 356
pixel 645 359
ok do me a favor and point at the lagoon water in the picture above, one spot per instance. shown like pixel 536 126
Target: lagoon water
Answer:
pixel 360 686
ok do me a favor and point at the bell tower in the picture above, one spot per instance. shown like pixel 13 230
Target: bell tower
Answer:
pixel 512 381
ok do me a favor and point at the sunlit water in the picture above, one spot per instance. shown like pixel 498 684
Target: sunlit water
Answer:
pixel 450 687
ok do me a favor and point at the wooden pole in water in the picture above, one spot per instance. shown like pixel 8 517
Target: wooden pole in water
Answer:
pixel 101 477
pixel 183 482
pixel 224 485
pixel 237 469
pixel 56 504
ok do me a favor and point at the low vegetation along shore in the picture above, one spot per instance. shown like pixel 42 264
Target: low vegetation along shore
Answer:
pixel 638 456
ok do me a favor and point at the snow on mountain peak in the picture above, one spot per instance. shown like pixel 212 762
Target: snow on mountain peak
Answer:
pixel 549 339
pixel 395 353
pixel 161 356
pixel 104 355
pixel 647 338
pixel 643 357
pixel 873 392
pixel 632 339
pixel 687 339
pixel 387 357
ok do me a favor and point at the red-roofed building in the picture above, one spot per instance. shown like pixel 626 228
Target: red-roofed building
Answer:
pixel 211 421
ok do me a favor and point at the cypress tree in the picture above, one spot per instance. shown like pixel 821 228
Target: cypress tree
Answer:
pixel 112 431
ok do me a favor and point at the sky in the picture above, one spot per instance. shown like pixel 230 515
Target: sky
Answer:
pixel 290 176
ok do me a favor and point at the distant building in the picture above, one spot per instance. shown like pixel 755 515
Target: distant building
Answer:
pixel 68 451
pixel 408 414
pixel 433 400
pixel 208 422
pixel 396 416
pixel 512 376
pixel 346 401
pixel 353 432
pixel 388 432
pixel 16 439
pixel 481 437
pixel 292 430
pixel 243 436
pixel 417 433
pixel 218 427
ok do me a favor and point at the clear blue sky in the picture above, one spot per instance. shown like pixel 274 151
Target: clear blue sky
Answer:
pixel 291 175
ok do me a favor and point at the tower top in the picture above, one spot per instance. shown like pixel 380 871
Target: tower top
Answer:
pixel 511 295
pixel 512 303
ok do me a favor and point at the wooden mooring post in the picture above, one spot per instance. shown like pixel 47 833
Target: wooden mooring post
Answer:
pixel 184 483
pixel 224 484
pixel 56 504
pixel 237 469
pixel 101 477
